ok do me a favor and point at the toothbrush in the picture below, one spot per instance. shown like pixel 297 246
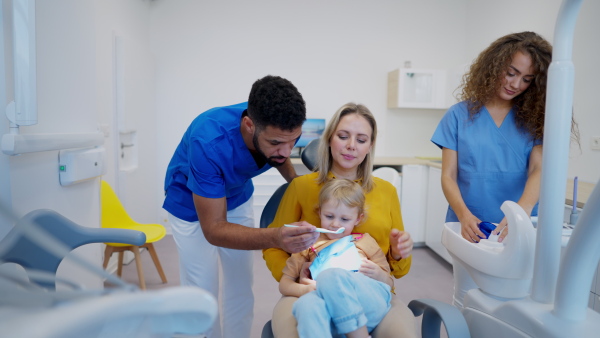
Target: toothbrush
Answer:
pixel 574 213
pixel 575 194
pixel 338 231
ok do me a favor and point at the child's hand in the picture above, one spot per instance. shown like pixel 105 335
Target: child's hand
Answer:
pixel 305 274
pixel 401 244
pixel 312 286
pixel 372 270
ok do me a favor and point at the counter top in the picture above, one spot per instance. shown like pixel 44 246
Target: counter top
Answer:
pixel 584 190
pixel 393 161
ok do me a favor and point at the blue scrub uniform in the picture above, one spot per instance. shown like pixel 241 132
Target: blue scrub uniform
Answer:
pixel 211 161
pixel 492 161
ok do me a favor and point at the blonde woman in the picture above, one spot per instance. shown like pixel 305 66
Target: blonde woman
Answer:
pixel 346 151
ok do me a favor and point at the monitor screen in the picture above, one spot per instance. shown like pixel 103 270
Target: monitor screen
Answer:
pixel 311 129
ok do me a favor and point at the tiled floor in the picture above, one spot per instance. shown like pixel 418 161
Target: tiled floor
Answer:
pixel 429 277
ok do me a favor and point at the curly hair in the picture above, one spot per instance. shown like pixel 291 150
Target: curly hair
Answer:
pixel 483 79
pixel 325 159
pixel 275 101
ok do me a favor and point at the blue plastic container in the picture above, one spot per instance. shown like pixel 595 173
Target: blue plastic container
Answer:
pixel 487 228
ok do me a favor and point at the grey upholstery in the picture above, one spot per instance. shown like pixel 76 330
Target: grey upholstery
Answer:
pixel 310 154
pixel 268 213
pixel 19 249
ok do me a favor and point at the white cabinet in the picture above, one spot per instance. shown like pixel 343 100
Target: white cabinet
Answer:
pixel 436 214
pixel 265 185
pixel 413 201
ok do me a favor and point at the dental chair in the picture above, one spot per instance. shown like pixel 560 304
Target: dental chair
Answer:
pixel 33 307
pixel 434 312
pixel 20 249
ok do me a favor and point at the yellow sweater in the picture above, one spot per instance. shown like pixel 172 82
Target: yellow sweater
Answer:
pixel 382 215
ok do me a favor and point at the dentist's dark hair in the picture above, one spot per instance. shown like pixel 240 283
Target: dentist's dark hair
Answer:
pixel 275 101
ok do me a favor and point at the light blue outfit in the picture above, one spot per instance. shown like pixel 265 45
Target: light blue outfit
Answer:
pixel 343 302
pixel 492 168
pixel 492 161
pixel 213 161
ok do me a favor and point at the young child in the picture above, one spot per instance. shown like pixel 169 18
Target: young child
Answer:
pixel 340 301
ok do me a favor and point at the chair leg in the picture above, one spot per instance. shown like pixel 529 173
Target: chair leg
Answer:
pixel 138 265
pixel 108 251
pixel 120 263
pixel 154 256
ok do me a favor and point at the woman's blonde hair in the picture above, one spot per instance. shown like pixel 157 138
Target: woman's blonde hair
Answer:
pixel 325 159
pixel 343 191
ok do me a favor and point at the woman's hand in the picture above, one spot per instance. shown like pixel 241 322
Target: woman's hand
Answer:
pixel 401 244
pixel 501 229
pixel 469 229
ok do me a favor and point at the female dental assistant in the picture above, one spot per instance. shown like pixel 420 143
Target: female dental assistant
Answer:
pixel 491 141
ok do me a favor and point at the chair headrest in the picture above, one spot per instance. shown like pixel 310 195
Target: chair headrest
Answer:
pixel 310 154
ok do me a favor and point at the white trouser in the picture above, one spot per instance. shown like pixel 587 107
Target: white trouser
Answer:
pixel 199 266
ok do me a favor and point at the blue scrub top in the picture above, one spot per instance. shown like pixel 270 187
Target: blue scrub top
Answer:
pixel 211 161
pixel 492 161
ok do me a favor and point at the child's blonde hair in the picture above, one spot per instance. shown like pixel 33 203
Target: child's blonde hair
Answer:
pixel 345 191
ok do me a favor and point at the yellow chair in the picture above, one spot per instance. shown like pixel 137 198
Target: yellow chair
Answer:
pixel 114 215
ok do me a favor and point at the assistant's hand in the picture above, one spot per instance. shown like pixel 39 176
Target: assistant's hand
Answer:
pixel 297 239
pixel 469 229
pixel 401 244
pixel 502 229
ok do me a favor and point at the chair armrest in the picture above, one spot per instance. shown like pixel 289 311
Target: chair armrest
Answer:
pixel 434 313
pixel 114 235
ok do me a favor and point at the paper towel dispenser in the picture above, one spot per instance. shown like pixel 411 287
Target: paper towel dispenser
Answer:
pixel 78 165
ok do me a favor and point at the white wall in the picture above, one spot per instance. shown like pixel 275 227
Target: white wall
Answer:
pixel 126 101
pixel 209 54
pixel 66 103
pixel 586 48
pixel 490 19
pixel 77 93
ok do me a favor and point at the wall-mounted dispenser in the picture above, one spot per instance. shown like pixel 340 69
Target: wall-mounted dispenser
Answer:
pixel 78 165
pixel 417 88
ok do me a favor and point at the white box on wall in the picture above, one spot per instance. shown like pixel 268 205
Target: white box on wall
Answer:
pixel 78 165
pixel 417 88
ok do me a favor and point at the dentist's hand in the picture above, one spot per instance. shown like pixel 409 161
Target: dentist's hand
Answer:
pixel 401 244
pixel 294 240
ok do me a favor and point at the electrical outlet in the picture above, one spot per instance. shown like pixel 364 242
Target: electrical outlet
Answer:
pixel 595 143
